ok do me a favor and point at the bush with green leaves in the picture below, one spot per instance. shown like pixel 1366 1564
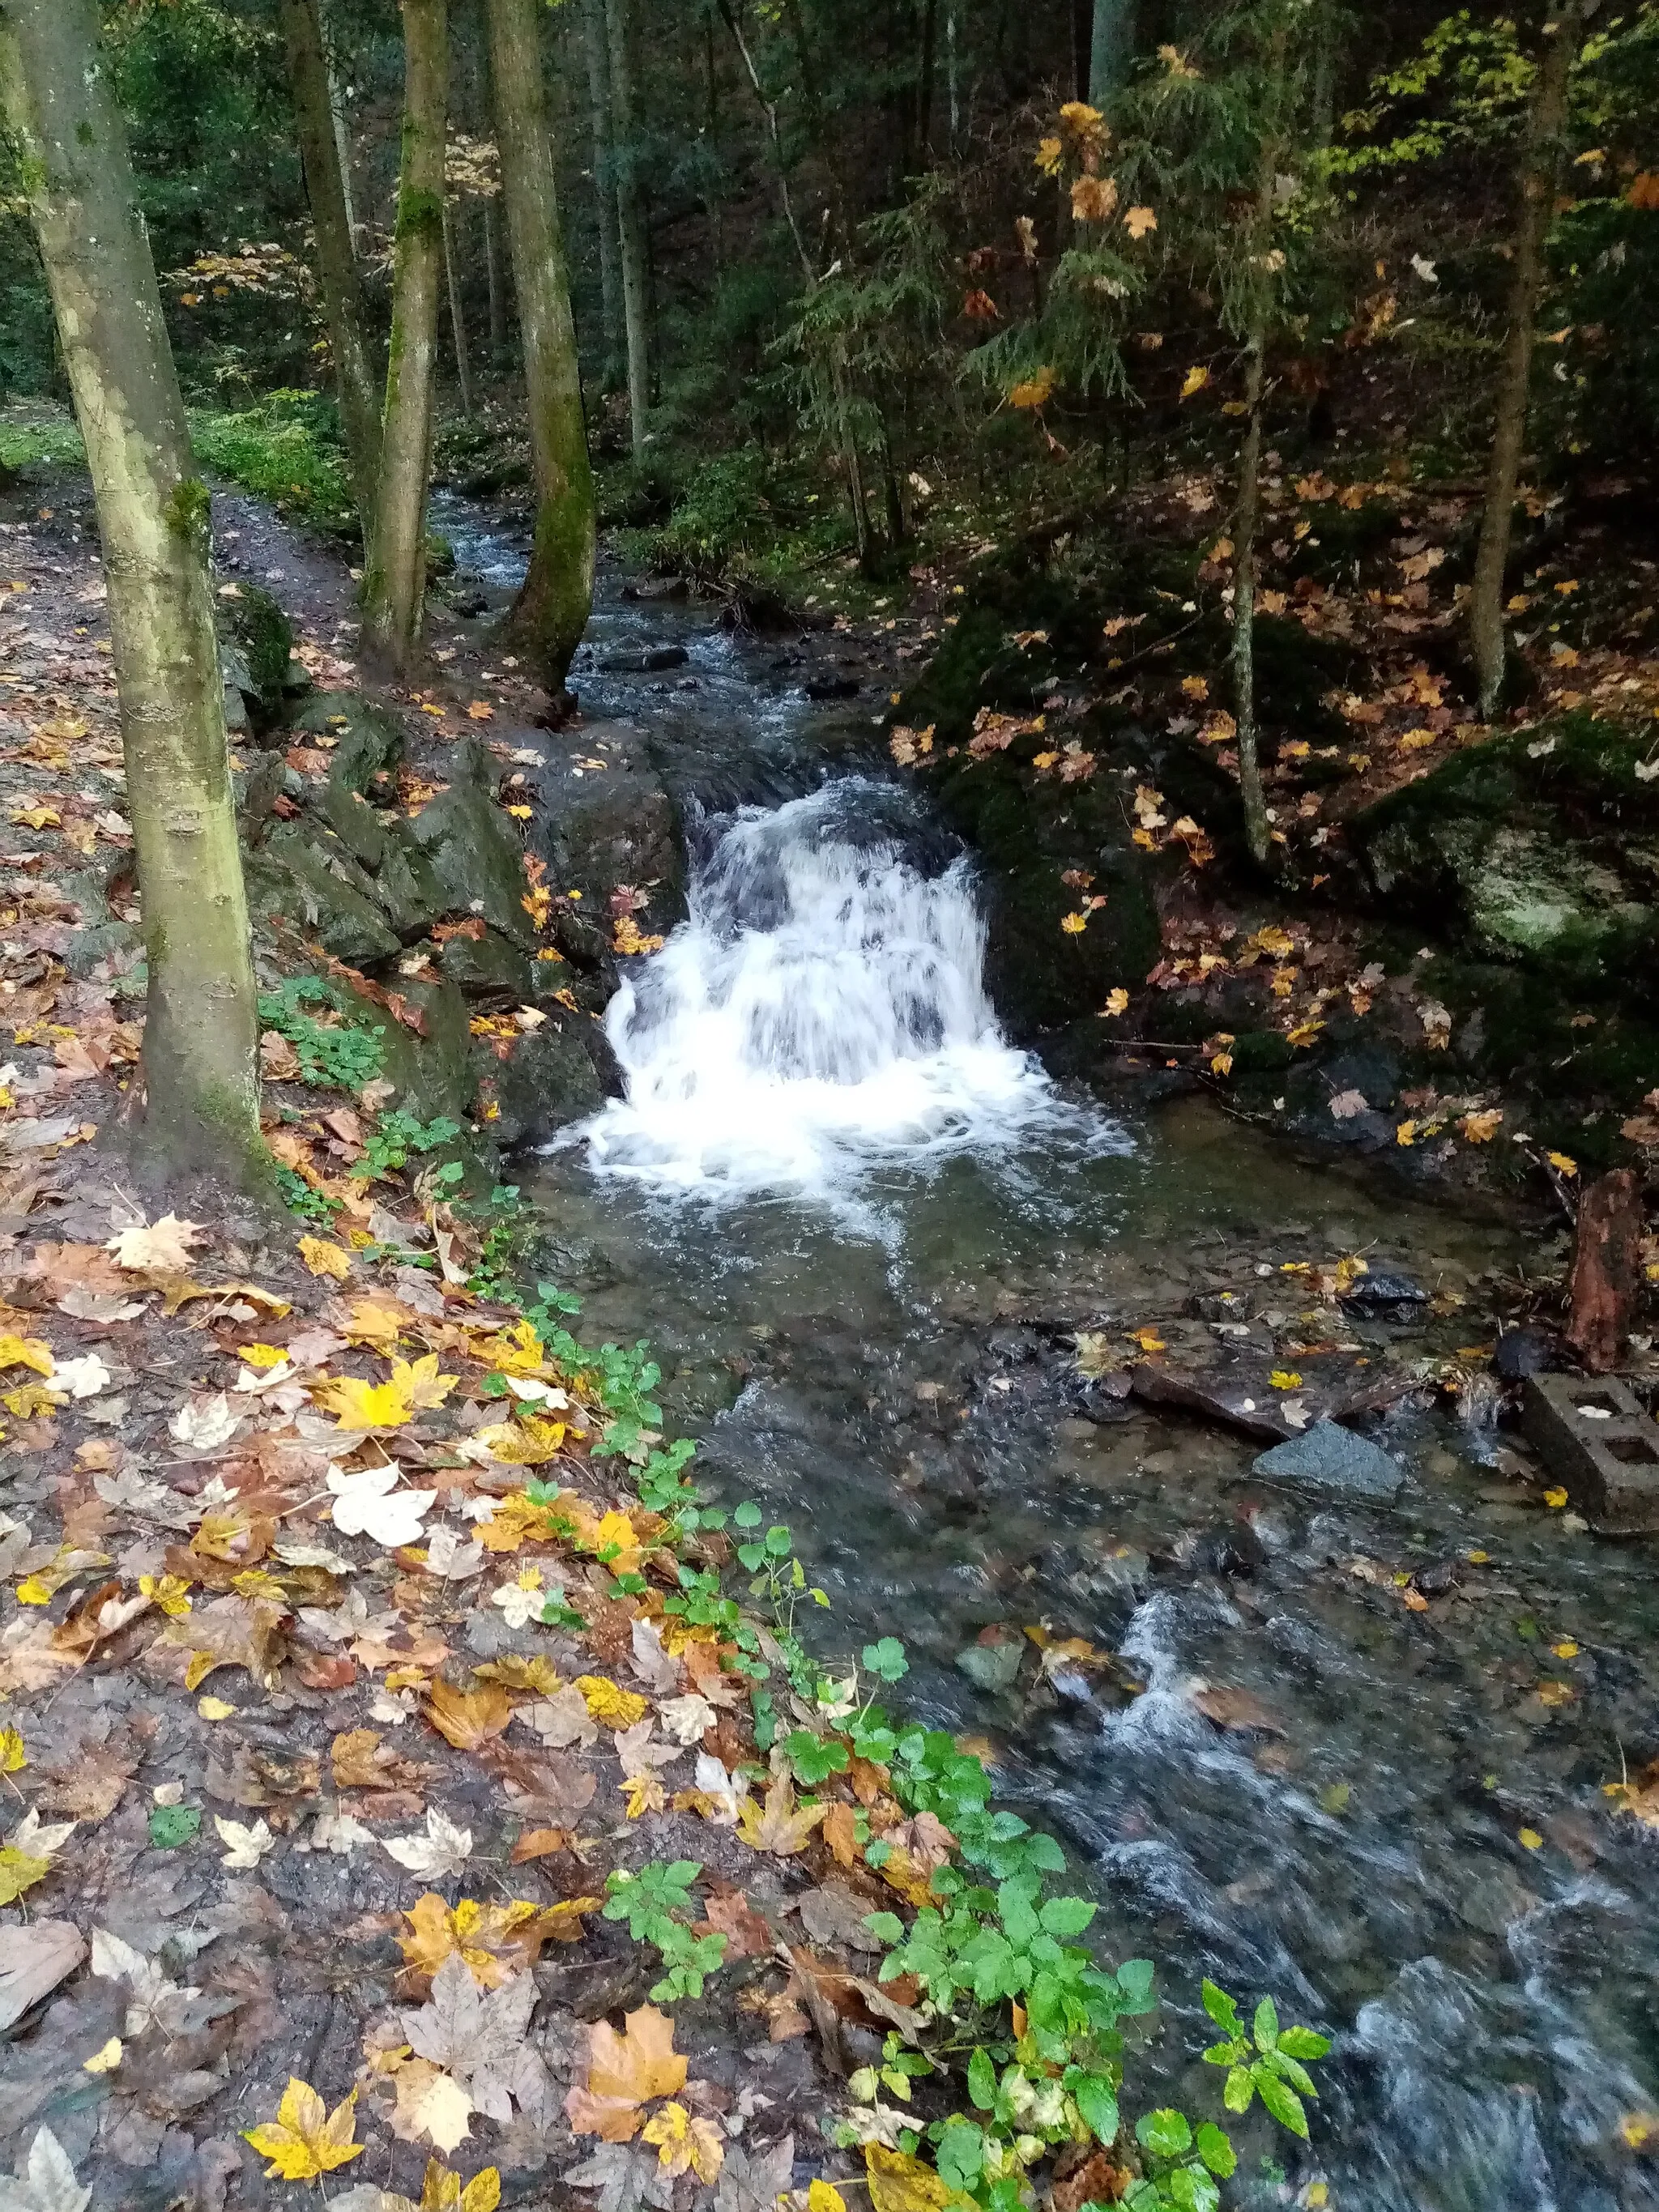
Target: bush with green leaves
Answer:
pixel 655 1902
pixel 395 1135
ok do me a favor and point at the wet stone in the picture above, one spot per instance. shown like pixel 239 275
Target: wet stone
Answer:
pixel 1334 1462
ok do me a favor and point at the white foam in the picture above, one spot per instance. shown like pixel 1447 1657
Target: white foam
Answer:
pixel 821 1014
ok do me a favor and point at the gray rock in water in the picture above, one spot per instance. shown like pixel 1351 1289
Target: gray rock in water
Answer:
pixel 1334 1462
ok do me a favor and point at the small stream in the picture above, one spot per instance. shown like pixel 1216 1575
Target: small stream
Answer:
pixel 859 1228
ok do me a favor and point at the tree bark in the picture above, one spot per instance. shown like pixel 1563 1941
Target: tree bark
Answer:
pixel 1539 172
pixel 1607 1269
pixel 394 581
pixel 633 238
pixel 457 315
pixel 337 273
pixel 551 612
pixel 201 1094
pixel 1111 49
pixel 605 185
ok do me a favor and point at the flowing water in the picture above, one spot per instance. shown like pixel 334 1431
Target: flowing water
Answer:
pixel 859 1228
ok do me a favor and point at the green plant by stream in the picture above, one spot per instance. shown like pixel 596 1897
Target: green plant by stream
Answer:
pixel 1019 2035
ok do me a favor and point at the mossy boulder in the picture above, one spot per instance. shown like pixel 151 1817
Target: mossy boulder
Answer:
pixel 474 848
pixel 1540 847
pixel 487 970
pixel 427 1056
pixel 367 739
pixel 261 639
pixel 304 876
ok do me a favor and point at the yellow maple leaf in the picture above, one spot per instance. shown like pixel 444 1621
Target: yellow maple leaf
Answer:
pixel 168 1594
pixel 1117 1002
pixel 1285 1378
pixel 1480 1129
pixel 684 2143
pixel 613 1532
pixel 26 1351
pixel 1562 1162
pixel 1034 390
pixel 261 1355
pixel 1194 380
pixel 1138 220
pixel 644 1794
pixel 31 1399
pixel 824 2196
pixel 305 2139
pixel 608 1704
pixel 325 1259
pixel 420 1383
pixel 19 1870
pixel 359 1405
pixel 1074 924
pixel 1555 1499
pixel 1049 157
pixel 479 710
pixel 526 1443
pixel 13 1756
pixel 515 1351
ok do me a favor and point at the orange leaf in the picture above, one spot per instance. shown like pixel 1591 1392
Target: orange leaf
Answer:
pixel 624 2072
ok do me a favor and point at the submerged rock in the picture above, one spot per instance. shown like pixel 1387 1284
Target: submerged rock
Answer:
pixel 1335 1463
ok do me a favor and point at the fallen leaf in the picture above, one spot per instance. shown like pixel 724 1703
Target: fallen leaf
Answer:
pixel 369 1504
pixel 304 2139
pixel 685 2144
pixel 45 2181
pixel 164 1247
pixel 473 2033
pixel 1235 1709
pixel 899 2183
pixel 323 1258
pixel 36 1958
pixel 624 2073
pixel 246 1846
pixel 778 1826
pixel 444 1849
pixel 468 1717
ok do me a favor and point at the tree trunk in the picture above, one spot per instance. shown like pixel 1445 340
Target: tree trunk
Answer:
pixel 1607 1269
pixel 1111 49
pixel 1540 168
pixel 633 238
pixel 342 141
pixel 493 271
pixel 605 185
pixel 394 583
pixel 337 272
pixel 551 612
pixel 201 1094
pixel 1247 511
pixel 457 314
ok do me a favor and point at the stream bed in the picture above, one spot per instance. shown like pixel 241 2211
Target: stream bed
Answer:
pixel 862 1233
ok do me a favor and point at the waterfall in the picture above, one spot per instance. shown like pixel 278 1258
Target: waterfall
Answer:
pixel 822 1012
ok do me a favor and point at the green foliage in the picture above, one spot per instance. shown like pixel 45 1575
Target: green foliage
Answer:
pixel 334 1052
pixel 395 1136
pixel 1263 2061
pixel 288 450
pixel 298 1197
pixel 23 445
pixel 655 1902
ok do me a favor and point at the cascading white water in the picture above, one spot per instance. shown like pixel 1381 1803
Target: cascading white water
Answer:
pixel 821 1012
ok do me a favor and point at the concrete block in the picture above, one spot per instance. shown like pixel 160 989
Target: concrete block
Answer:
pixel 1598 1443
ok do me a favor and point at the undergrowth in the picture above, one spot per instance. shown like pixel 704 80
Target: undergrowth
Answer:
pixel 1020 2048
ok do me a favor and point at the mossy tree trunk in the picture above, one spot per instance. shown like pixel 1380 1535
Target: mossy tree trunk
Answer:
pixel 633 238
pixel 1539 173
pixel 200 1108
pixel 605 184
pixel 320 129
pixel 394 580
pixel 551 612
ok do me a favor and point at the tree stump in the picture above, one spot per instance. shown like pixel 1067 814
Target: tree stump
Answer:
pixel 1606 1271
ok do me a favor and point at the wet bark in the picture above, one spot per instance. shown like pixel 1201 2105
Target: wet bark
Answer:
pixel 1246 520
pixel 1540 170
pixel 551 612
pixel 320 133
pixel 1607 1269
pixel 633 238
pixel 200 1108
pixel 394 582
pixel 493 271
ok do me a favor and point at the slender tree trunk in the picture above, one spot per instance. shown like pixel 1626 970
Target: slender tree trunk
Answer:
pixel 925 76
pixel 394 581
pixel 1248 513
pixel 1540 170
pixel 342 142
pixel 1322 100
pixel 1111 49
pixel 551 612
pixel 493 270
pixel 952 71
pixel 457 314
pixel 633 237
pixel 605 185
pixel 355 379
pixel 201 1106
